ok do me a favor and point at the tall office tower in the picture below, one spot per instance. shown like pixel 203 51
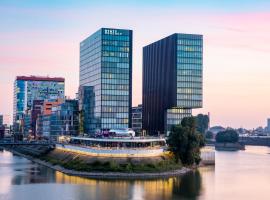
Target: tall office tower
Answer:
pixel 172 81
pixel 30 88
pixel 106 66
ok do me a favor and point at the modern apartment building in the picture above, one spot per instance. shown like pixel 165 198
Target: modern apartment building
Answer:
pixel 172 81
pixel 106 67
pixel 30 88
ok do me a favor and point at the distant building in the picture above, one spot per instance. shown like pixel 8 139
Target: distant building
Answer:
pixel 137 118
pixel 65 119
pixel 172 81
pixel 35 112
pixel 106 66
pixel 1 120
pixel 26 90
pixel 30 88
pixel 2 131
pixel 268 125
pixel 59 117
pixel 86 98
pixel 45 117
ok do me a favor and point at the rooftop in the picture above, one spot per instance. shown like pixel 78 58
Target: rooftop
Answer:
pixel 40 78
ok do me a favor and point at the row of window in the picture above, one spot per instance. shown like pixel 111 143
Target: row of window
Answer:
pixel 189 97
pixel 189 104
pixel 189 91
pixel 189 54
pixel 185 72
pixel 115 115
pixel 189 48
pixel 114 92
pixel 189 85
pixel 90 42
pixel 115 43
pixel 189 66
pixel 116 37
pixel 115 59
pixel 115 81
pixel 115 103
pixel 115 70
pixel 114 76
pixel 115 65
pixel 115 54
pixel 189 42
pixel 95 58
pixel 115 48
pixel 114 120
pixel 114 98
pixel 115 87
pixel 176 116
pixel 189 78
pixel 113 109
pixel 189 60
pixel 90 50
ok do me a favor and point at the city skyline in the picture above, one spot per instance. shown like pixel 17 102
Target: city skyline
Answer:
pixel 41 40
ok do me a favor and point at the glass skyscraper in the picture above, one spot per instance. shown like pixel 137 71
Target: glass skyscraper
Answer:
pixel 172 81
pixel 106 66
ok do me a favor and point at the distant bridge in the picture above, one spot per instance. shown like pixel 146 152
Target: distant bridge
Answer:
pixel 255 140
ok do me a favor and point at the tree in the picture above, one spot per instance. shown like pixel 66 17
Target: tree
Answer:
pixel 184 142
pixel 202 123
pixel 227 136
pixel 209 135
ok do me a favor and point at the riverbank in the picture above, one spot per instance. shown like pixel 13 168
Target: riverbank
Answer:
pixel 107 175
pixel 229 146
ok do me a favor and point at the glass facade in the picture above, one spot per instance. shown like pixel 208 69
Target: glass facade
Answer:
pixel 172 81
pixel 28 89
pixel 65 119
pixel 174 116
pixel 137 118
pixel 189 71
pixel 106 65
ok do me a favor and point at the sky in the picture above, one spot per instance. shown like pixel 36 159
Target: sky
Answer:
pixel 42 38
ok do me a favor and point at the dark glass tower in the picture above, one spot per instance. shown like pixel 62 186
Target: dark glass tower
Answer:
pixel 172 81
pixel 106 66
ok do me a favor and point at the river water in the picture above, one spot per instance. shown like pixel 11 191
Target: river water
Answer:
pixel 237 175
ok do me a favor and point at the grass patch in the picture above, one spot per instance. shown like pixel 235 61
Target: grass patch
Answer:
pixel 112 166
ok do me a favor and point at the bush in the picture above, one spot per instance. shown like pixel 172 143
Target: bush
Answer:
pixel 227 136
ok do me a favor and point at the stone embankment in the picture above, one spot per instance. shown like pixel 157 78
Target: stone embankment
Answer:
pixel 100 175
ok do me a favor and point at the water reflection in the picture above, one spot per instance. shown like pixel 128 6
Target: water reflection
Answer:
pixel 189 186
pixel 246 173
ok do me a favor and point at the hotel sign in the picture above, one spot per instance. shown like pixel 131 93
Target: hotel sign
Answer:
pixel 112 32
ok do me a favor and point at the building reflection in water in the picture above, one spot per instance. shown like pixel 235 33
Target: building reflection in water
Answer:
pixel 188 186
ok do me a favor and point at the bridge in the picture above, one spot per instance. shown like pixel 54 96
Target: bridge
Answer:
pixel 255 140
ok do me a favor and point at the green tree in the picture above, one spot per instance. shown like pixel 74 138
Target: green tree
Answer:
pixel 202 123
pixel 184 142
pixel 227 136
pixel 209 135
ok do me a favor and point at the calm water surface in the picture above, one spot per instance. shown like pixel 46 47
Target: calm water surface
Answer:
pixel 237 175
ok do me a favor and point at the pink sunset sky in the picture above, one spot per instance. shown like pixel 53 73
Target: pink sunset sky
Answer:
pixel 44 40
